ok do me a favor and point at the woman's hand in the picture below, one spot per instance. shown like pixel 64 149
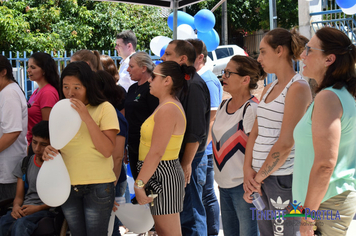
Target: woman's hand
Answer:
pixel 82 110
pixel 49 150
pixel 247 197
pixel 306 227
pixel 250 185
pixel 141 196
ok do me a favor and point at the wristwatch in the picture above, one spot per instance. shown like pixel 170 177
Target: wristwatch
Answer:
pixel 139 184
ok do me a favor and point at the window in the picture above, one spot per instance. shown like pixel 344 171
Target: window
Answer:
pixel 222 53
pixel 210 55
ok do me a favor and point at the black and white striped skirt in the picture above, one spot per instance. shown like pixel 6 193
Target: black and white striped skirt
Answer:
pixel 169 174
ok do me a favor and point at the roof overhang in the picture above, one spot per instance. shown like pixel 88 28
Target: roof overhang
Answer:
pixel 159 3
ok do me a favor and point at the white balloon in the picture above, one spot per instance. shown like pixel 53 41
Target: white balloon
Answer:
pixel 157 43
pixel 349 11
pixel 111 223
pixel 137 218
pixel 64 123
pixel 131 182
pixel 53 182
pixel 185 31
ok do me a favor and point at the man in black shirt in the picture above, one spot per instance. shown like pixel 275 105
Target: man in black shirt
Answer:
pixel 196 104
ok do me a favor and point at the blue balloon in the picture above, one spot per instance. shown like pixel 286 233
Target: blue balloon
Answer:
pixel 158 62
pixel 183 18
pixel 346 3
pixel 211 39
pixel 129 170
pixel 163 50
pixel 204 20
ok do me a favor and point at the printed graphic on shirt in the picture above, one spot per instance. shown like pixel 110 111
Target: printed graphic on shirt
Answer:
pixel 232 141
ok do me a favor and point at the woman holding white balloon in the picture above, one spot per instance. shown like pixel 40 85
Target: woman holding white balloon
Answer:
pixel 161 138
pixel 88 155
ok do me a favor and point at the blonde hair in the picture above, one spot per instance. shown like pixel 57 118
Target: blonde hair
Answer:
pixel 143 59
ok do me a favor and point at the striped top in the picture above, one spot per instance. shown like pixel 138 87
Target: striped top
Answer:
pixel 269 118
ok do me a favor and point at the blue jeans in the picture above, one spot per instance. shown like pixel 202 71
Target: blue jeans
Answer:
pixel 88 209
pixel 193 216
pixel 235 213
pixel 210 201
pixel 24 226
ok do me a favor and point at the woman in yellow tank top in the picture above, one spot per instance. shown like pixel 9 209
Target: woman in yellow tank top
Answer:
pixel 161 138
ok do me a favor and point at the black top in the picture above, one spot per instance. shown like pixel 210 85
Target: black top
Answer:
pixel 139 105
pixel 196 104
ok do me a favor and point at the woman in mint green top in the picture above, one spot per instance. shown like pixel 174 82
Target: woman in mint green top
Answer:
pixel 325 138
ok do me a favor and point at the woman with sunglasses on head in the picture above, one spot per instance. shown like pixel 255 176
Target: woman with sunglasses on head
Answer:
pixel 325 163
pixel 161 138
pixel 43 70
pixel 269 153
pixel 88 156
pixel 139 103
pixel 233 123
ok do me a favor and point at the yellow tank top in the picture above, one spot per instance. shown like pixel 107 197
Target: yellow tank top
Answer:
pixel 173 147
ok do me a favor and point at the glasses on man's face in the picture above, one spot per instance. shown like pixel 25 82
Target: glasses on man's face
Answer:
pixel 228 73
pixel 155 73
pixel 307 49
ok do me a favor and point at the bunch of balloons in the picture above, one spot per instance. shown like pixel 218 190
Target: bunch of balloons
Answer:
pixel 53 181
pixel 202 23
pixel 347 6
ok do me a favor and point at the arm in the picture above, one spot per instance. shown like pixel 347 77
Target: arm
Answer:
pixel 7 139
pixel 212 119
pixel 165 122
pixel 187 159
pixel 118 154
pixel 19 198
pixel 326 130
pixel 296 103
pixel 104 141
pixel 45 112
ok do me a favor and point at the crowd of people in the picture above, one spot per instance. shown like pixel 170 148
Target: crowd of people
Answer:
pixel 170 123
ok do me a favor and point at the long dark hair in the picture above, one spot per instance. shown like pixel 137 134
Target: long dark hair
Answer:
pixel 6 65
pixel 114 93
pixel 49 67
pixel 342 71
pixel 83 72
pixel 180 74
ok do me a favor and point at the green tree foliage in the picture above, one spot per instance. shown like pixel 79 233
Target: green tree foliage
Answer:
pixel 58 25
pixel 251 15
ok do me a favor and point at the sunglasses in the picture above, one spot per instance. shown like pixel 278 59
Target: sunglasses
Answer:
pixel 155 73
pixel 307 49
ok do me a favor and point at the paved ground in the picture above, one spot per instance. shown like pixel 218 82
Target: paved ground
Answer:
pixel 350 232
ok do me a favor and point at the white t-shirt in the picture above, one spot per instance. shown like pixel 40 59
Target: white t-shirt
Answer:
pixel 229 138
pixel 125 78
pixel 13 117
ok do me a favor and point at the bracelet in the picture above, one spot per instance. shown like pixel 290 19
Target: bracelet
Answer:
pixel 309 223
pixel 137 187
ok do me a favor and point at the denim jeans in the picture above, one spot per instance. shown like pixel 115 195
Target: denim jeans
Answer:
pixel 24 226
pixel 88 209
pixel 193 217
pixel 235 213
pixel 210 201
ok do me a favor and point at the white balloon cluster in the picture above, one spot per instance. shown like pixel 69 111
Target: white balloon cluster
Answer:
pixel 53 181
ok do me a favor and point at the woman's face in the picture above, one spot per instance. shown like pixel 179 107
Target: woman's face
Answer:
pixel 156 81
pixel 135 70
pixel 73 88
pixel 232 84
pixel 314 63
pixel 35 73
pixel 267 57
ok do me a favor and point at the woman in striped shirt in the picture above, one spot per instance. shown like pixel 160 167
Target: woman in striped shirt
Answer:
pixel 269 153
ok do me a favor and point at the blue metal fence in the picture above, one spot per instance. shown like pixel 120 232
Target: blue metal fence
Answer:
pixel 20 63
